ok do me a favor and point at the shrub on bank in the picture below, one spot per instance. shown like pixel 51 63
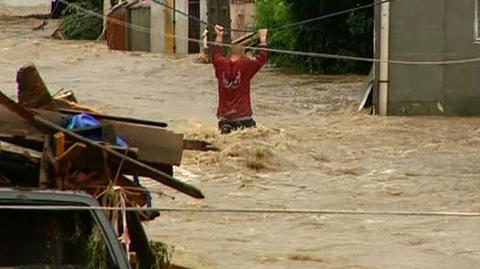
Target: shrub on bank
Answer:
pixel 349 34
pixel 78 25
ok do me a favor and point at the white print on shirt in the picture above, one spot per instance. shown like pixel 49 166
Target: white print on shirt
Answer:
pixel 232 84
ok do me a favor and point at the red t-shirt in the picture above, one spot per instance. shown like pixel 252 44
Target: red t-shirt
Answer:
pixel 234 83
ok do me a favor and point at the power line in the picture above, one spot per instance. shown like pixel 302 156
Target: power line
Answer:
pixel 200 20
pixel 295 24
pixel 247 211
pixel 298 53
pixel 282 27
pixel 371 60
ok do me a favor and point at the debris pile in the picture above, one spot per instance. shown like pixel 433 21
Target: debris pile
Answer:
pixel 77 148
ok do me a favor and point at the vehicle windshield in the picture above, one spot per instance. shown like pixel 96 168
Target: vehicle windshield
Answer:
pixel 51 239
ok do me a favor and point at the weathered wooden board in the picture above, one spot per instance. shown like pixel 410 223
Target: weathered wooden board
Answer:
pixel 32 92
pixel 9 122
pixel 72 111
pixel 155 145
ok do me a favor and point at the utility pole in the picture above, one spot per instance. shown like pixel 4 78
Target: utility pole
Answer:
pixel 218 12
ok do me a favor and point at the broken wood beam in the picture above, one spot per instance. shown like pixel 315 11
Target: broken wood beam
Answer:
pixel 115 118
pixel 11 124
pixel 159 175
pixel 31 143
pixel 155 144
pixel 59 142
pixel 69 156
pixel 36 144
pixel 198 145
pixel 19 133
pixel 244 40
pixel 26 115
pixel 43 124
pixel 47 164
pixel 32 91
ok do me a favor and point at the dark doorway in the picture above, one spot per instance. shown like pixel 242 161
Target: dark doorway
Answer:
pixel 194 26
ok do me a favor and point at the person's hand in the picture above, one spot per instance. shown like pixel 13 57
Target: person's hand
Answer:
pixel 263 33
pixel 219 30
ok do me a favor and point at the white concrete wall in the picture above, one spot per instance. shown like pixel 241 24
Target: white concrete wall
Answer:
pixel 106 10
pixel 203 15
pixel 181 28
pixel 157 28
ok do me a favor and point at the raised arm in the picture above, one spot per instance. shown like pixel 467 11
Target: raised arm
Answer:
pixel 217 50
pixel 262 56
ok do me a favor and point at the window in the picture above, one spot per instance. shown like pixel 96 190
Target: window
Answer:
pixel 60 239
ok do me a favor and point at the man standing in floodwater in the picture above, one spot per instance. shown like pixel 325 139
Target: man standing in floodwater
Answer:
pixel 234 75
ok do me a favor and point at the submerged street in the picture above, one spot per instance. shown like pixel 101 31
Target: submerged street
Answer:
pixel 312 150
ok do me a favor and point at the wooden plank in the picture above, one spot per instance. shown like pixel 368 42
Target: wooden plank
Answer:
pixel 115 118
pixel 155 144
pixel 198 145
pixel 70 154
pixel 10 121
pixel 49 126
pixel 45 172
pixel 59 142
pixel 27 117
pixel 87 159
pixel 33 143
pixel 136 193
pixel 93 159
pixel 109 134
pixel 32 92
pixel 19 133
pixel 244 40
pixel 159 175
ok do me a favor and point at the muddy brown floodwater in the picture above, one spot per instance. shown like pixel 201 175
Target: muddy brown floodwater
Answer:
pixel 312 150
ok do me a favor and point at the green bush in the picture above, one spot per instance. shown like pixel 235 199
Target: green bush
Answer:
pixel 277 12
pixel 349 34
pixel 78 25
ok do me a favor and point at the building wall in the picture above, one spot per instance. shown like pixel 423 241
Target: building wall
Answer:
pixel 162 27
pixel 116 33
pixel 203 15
pixel 138 40
pixel 242 13
pixel 157 23
pixel 461 82
pixel 165 23
pixel 181 28
pixel 433 30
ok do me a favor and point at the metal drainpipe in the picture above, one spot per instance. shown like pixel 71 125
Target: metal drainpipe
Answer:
pixel 384 57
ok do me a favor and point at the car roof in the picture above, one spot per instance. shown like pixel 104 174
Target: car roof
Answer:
pixel 47 196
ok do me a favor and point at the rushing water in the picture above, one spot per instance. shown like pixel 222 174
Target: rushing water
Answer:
pixel 25 2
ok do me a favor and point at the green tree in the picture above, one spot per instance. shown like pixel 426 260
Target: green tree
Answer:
pixel 78 25
pixel 349 34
